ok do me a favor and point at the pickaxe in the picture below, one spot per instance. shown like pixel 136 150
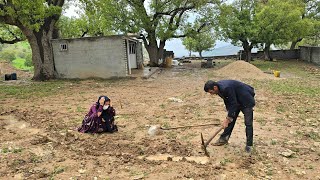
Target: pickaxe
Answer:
pixel 178 127
pixel 205 144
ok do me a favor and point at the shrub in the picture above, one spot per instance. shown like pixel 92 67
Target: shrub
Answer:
pixel 28 59
pixel 8 55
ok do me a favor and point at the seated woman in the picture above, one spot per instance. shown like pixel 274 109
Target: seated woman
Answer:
pixel 93 120
pixel 108 114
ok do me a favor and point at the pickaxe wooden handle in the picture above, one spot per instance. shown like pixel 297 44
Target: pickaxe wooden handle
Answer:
pixel 163 128
pixel 205 144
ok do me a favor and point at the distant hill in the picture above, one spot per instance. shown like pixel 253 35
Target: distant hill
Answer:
pixel 225 50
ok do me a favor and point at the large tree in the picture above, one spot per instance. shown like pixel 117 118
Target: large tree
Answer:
pixel 311 15
pixel 36 19
pixel 279 21
pixel 155 21
pixel 200 42
pixel 236 22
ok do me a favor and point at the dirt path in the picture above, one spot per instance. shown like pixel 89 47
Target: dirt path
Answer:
pixel 38 138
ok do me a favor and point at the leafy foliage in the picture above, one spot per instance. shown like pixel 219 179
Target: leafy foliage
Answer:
pixel 236 21
pixel 280 22
pixel 200 42
pixel 153 20
pixel 36 19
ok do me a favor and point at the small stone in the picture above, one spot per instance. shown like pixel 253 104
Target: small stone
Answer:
pixel 287 153
pixel 141 176
pixel 316 144
pixel 81 171
pixel 18 176
pixel 173 99
pixel 300 173
pixel 290 142
pixel 95 178
pixel 223 176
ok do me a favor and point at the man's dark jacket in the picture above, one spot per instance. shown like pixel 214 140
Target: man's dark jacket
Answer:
pixel 236 95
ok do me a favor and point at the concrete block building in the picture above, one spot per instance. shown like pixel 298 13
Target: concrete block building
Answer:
pixel 97 57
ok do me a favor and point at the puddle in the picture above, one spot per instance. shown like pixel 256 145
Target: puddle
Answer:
pixel 12 124
pixel 168 157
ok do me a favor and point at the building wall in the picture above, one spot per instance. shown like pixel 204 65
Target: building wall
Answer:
pixel 102 57
pixel 310 54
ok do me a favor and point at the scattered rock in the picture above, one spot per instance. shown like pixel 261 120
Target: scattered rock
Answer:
pixel 316 144
pixel 82 171
pixel 18 176
pixel 300 173
pixel 141 176
pixel 287 153
pixel 173 99
pixel 153 130
pixel 223 176
pixel 290 142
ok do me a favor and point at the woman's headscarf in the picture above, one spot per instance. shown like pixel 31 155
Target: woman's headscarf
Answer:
pixel 105 100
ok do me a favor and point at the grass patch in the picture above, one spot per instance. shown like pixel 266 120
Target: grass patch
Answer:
pixel 261 121
pixel 225 161
pixel 19 63
pixel 292 66
pixel 14 150
pixel 290 87
pixel 32 90
pixel 80 109
pixel 57 170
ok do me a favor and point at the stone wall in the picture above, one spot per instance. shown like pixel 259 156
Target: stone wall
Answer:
pixel 310 54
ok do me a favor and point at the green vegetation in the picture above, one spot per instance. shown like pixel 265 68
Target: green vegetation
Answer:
pixel 57 170
pixel 31 90
pixel 296 84
pixel 296 68
pixel 35 20
pixel 18 54
pixel 196 43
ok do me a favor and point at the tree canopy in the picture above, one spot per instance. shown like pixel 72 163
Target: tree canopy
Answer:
pixel 154 21
pixel 36 20
pixel 237 23
pixel 200 42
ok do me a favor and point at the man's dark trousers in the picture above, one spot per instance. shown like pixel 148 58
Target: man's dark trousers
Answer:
pixel 248 121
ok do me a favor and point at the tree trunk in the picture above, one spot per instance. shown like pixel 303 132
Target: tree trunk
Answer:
pixel 294 43
pixel 189 53
pixel 155 52
pixel 200 54
pixel 266 51
pixel 161 50
pixel 152 49
pixel 247 49
pixel 42 55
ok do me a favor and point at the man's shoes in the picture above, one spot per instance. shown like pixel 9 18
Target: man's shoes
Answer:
pixel 220 142
pixel 248 149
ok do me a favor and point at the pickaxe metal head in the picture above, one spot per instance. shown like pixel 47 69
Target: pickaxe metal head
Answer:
pixel 204 146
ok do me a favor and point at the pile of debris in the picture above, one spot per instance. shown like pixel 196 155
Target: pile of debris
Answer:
pixel 242 70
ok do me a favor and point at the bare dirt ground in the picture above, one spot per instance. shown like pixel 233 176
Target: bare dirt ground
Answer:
pixel 38 140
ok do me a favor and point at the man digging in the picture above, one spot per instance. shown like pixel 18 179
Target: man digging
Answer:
pixel 237 96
